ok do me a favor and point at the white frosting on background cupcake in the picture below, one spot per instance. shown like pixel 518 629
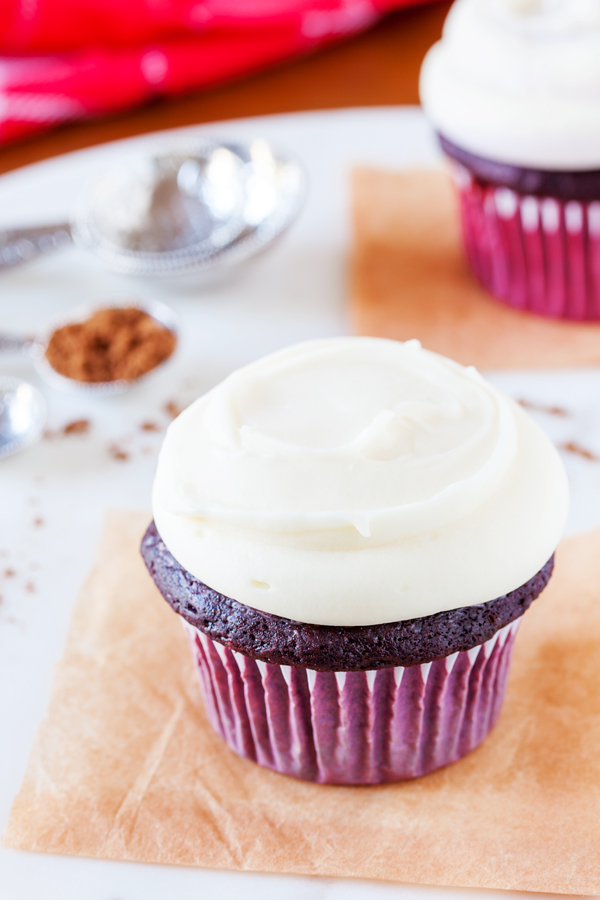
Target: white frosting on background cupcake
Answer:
pixel 518 81
pixel 357 481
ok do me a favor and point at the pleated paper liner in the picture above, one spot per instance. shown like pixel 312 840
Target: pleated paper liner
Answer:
pixel 540 254
pixel 365 727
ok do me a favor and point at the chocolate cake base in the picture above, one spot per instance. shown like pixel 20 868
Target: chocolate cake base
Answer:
pixel 325 648
pixel 577 185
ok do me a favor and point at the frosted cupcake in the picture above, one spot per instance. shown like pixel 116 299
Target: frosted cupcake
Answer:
pixel 513 90
pixel 351 530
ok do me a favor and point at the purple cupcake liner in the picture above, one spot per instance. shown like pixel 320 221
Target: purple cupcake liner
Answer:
pixel 365 727
pixel 540 254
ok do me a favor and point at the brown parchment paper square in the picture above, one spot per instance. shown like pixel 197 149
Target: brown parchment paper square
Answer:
pixel 125 765
pixel 409 279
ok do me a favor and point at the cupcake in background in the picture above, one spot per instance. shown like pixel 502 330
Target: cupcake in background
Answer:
pixel 513 91
pixel 351 530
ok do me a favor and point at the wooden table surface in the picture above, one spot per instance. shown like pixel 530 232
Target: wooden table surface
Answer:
pixel 379 67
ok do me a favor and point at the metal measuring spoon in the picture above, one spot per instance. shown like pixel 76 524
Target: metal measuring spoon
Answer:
pixel 22 415
pixel 180 207
pixel 35 348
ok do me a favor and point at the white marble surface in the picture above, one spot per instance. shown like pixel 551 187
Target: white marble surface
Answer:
pixel 295 292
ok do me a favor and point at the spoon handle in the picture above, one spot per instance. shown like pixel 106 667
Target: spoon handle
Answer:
pixel 12 343
pixel 18 245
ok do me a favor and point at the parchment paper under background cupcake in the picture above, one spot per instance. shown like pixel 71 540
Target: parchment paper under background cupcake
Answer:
pixel 513 90
pixel 351 530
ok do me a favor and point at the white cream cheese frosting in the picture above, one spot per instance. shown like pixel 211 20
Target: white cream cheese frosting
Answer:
pixel 356 481
pixel 518 81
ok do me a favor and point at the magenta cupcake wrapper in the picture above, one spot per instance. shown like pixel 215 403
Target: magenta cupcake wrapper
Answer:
pixel 540 254
pixel 354 727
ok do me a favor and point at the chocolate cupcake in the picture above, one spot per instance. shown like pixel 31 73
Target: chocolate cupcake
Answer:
pixel 350 531
pixel 512 92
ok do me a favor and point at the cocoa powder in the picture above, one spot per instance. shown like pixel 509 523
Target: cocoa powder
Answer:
pixel 113 344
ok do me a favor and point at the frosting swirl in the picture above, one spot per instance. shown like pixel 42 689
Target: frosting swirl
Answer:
pixel 350 481
pixel 518 81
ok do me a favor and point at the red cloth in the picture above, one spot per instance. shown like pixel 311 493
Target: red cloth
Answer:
pixel 67 59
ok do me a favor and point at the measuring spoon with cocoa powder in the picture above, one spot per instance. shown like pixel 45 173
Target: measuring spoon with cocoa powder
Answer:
pixel 104 349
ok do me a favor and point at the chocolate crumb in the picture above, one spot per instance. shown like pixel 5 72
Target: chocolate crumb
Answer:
pixel 539 407
pixel 146 450
pixel 172 409
pixel 578 450
pixel 9 573
pixel 117 452
pixel 38 522
pixel 30 587
pixel 114 344
pixel 149 426
pixel 79 426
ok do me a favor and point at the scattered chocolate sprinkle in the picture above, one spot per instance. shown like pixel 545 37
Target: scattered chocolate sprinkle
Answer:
pixel 113 344
pixel 38 522
pixel 172 409
pixel 146 450
pixel 538 407
pixel 79 426
pixel 9 573
pixel 578 450
pixel 117 452
pixel 149 426
pixel 30 587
